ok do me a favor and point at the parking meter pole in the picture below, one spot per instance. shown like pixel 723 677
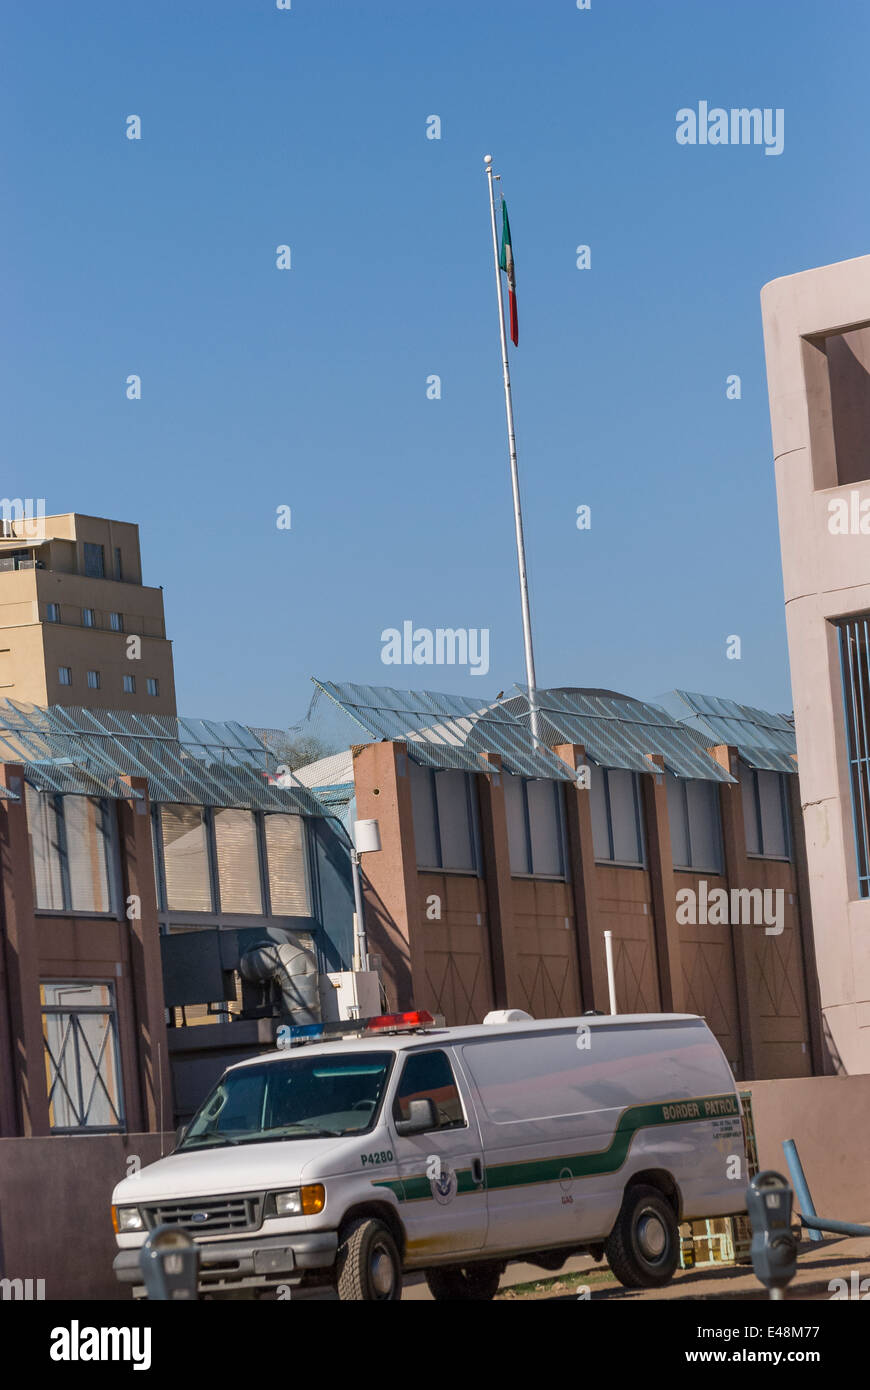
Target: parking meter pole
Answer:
pixel 774 1248
pixel 169 1262
pixel 800 1184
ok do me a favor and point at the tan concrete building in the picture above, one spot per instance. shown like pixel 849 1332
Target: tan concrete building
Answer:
pixel 817 344
pixel 77 625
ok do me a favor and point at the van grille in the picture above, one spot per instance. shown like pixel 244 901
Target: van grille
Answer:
pixel 210 1215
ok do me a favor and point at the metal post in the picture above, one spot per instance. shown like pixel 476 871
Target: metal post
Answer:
pixel 799 1183
pixel 362 949
pixel 611 978
pixel 515 479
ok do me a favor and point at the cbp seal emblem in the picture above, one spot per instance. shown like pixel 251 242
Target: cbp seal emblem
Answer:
pixel 445 1186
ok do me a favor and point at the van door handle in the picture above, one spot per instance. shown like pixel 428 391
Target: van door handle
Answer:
pixel 477 1171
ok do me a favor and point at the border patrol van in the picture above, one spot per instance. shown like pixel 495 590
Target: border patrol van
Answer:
pixel 347 1158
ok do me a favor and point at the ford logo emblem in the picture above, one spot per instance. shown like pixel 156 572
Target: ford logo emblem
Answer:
pixel 199 1216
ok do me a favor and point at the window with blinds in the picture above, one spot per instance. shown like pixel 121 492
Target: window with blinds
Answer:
pixel 46 836
pixel 185 859
pixel 693 815
pixel 535 827
pixel 238 861
pixel 71 852
pixel 443 808
pixel 155 856
pixel 765 813
pixel 285 855
pixel 88 841
pixel 617 820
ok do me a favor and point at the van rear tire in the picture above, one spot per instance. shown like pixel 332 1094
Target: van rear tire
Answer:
pixel 474 1282
pixel 367 1266
pixel 643 1249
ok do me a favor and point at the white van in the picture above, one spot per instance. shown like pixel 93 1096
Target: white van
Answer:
pixel 346 1160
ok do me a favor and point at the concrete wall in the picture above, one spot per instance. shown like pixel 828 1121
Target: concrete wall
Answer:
pixel 55 1198
pixel 815 345
pixel 828 1117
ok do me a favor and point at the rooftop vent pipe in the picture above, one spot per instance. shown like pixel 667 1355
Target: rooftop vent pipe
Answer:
pixel 292 968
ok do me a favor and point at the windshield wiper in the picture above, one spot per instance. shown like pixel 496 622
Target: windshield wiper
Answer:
pixel 212 1134
pixel 287 1132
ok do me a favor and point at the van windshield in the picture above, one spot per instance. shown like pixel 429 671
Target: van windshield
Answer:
pixel 296 1098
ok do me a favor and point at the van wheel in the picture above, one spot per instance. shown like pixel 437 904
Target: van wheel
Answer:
pixel 643 1248
pixel 478 1282
pixel 367 1263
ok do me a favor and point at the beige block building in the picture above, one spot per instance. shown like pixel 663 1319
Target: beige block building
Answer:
pixel 817 345
pixel 77 625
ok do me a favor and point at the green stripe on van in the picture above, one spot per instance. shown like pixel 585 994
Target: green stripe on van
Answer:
pixel 586 1165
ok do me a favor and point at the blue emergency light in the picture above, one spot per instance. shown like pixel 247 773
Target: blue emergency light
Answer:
pixel 299 1033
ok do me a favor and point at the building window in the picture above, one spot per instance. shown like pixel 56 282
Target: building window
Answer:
pixel 88 617
pixel 116 622
pixel 617 819
pixel 82 1065
pixel 153 685
pixel 71 852
pixel 445 827
pixel 535 823
pixel 119 568
pixel 94 562
pixel 52 613
pixel 286 863
pixel 185 857
pixel 765 813
pixel 93 680
pixel 130 685
pixel 696 832
pixel 238 861
pixel 855 669
pixel 64 675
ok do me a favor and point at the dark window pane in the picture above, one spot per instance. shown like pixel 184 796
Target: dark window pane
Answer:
pixel 429 1074
pixel 94 563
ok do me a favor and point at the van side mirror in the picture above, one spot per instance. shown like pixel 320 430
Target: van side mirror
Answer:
pixel 422 1116
pixel 179 1134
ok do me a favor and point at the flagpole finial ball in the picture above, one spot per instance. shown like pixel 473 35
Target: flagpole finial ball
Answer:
pixel 487 159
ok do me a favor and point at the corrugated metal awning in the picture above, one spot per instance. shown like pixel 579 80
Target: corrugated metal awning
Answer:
pixel 447 731
pixel 763 740
pixel 70 750
pixel 618 731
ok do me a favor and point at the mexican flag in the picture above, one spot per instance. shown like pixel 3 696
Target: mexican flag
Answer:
pixel 506 261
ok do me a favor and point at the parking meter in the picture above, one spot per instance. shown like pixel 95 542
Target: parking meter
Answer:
pixel 774 1248
pixel 169 1262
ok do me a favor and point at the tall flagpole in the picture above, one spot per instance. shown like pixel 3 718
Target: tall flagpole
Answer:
pixel 515 477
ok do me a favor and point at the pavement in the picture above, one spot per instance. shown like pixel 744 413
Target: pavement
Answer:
pixel 818 1265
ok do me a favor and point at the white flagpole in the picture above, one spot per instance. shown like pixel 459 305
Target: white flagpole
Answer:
pixel 515 478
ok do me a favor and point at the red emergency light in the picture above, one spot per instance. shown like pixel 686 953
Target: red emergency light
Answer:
pixel 417 1018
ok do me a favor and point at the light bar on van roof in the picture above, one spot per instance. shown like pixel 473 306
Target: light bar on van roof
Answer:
pixel 300 1033
pixel 417 1018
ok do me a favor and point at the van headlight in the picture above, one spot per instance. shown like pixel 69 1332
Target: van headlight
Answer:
pixel 127 1219
pixel 297 1201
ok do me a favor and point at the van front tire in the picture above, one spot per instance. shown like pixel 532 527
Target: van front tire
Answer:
pixel 367 1265
pixel 477 1282
pixel 643 1249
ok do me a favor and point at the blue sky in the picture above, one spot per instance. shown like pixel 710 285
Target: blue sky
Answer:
pixel 307 388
